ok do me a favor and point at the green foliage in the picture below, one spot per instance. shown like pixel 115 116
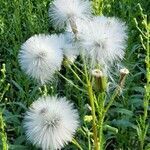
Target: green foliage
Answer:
pixel 126 124
pixel 3 134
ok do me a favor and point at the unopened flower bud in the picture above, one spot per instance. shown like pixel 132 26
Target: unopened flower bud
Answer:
pixel 100 80
pixel 123 73
pixel 97 73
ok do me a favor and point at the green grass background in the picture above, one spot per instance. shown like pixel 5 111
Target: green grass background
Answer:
pixel 20 19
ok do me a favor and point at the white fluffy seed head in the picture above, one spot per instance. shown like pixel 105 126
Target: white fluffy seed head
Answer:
pixel 104 40
pixel 41 56
pixel 51 122
pixel 61 11
pixel 69 46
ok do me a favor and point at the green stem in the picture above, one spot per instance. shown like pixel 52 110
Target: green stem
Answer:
pixel 4 91
pixel 139 29
pixel 91 98
pixel 77 144
pixel 101 121
pixel 101 100
pixel 103 112
pixel 115 94
pixel 147 87
pixel 78 69
pixel 69 81
pixel 143 124
pixel 3 134
pixel 76 75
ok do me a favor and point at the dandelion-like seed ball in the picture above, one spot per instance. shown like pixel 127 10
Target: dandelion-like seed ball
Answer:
pixel 51 123
pixel 41 56
pixel 69 46
pixel 63 12
pixel 123 73
pixel 104 41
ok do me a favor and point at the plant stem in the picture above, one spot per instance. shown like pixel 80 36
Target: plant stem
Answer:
pixel 69 81
pixel 103 112
pixel 76 75
pixel 3 134
pixel 101 121
pixel 144 37
pixel 91 98
pixel 115 94
pixel 73 26
pixel 78 69
pixel 77 144
pixel 101 100
pixel 147 87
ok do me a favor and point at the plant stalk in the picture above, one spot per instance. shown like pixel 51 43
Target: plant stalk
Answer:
pixel 147 87
pixel 101 100
pixel 115 94
pixel 91 98
pixel 101 121
pixel 3 134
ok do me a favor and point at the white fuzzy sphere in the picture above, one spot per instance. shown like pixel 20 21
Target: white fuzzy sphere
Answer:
pixel 104 40
pixel 51 122
pixel 41 56
pixel 69 46
pixel 62 10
